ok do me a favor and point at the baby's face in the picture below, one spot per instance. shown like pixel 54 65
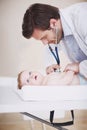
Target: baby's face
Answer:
pixel 31 78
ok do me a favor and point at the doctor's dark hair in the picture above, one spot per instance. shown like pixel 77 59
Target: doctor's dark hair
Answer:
pixel 38 16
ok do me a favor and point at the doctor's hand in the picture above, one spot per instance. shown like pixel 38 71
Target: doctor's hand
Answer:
pixel 52 68
pixel 73 67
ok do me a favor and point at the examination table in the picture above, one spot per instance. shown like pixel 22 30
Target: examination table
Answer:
pixel 67 99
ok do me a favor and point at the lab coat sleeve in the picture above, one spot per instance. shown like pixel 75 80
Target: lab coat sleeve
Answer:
pixel 81 28
pixel 83 68
pixel 76 18
pixel 81 23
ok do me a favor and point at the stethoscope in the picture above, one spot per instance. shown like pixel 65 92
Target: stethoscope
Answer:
pixel 55 54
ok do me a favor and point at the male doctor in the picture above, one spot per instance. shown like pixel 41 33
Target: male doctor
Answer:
pixel 52 25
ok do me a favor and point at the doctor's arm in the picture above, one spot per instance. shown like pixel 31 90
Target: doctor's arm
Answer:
pixel 81 29
pixel 78 68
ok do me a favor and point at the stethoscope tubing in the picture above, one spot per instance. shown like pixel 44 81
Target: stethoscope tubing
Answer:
pixel 55 55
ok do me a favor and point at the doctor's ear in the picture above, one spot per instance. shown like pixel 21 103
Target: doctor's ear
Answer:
pixel 53 23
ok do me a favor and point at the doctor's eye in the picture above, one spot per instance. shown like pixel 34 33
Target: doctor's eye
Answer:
pixel 28 80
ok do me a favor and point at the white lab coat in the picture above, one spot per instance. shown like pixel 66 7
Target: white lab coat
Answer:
pixel 76 18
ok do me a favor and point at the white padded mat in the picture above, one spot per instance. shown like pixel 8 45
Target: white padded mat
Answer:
pixel 49 93
pixel 31 98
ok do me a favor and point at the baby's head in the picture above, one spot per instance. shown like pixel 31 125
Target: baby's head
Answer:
pixel 29 78
pixel 21 77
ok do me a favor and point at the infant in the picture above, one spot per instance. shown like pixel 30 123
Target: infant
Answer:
pixel 56 78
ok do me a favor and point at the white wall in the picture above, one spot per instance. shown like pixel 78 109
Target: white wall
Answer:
pixel 16 52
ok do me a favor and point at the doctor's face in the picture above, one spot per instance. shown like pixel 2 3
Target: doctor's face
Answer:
pixel 31 78
pixel 50 36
